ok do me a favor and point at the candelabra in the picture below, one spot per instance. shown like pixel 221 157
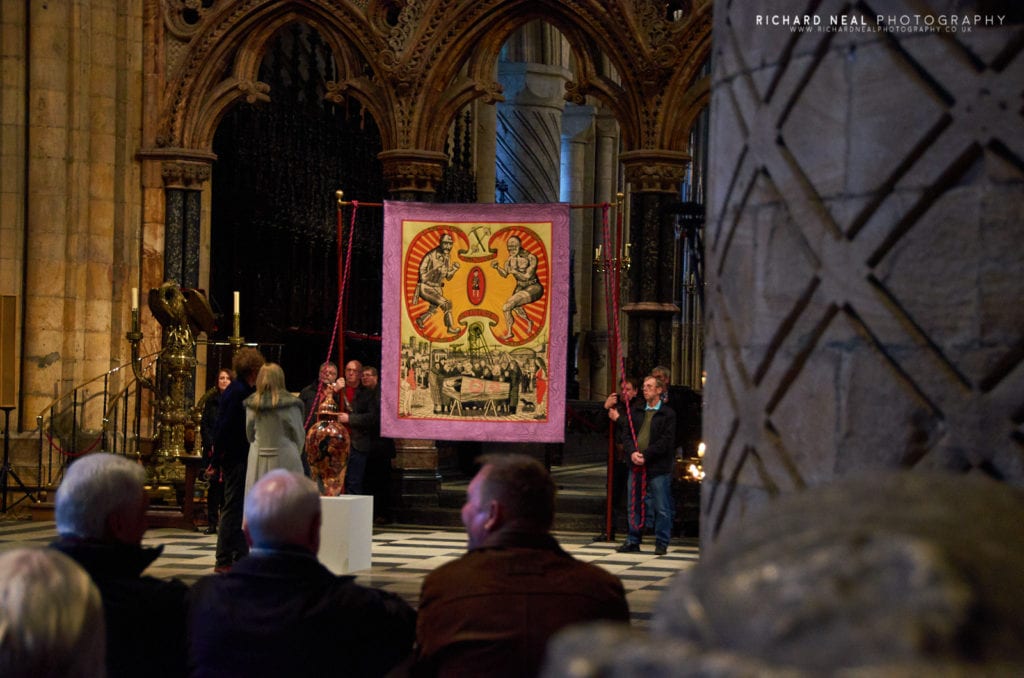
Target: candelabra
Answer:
pixel 619 259
pixel 177 312
pixel 615 263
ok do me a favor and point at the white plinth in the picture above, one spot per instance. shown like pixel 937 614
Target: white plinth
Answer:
pixel 346 535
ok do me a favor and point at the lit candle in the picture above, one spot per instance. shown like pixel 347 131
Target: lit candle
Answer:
pixel 597 252
pixel 135 298
pixel 237 305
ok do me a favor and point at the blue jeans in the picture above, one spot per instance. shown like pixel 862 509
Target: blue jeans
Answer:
pixel 657 500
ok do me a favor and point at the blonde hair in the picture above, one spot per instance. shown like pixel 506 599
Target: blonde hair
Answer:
pixel 51 617
pixel 269 386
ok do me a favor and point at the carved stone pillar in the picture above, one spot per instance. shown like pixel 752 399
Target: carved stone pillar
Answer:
pixel 529 129
pixel 863 270
pixel 655 178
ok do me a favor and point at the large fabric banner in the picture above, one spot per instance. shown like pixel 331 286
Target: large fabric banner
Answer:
pixel 474 321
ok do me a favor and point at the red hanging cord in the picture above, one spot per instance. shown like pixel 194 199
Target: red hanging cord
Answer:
pixel 344 264
pixel 612 282
pixel 343 291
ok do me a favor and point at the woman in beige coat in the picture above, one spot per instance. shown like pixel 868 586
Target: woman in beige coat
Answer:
pixel 273 424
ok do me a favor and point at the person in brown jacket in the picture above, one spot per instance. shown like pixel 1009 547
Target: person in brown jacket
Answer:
pixel 492 611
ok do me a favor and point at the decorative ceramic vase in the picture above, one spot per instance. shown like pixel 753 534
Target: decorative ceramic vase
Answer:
pixel 327 447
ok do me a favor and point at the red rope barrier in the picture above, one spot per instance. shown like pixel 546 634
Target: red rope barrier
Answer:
pixel 72 455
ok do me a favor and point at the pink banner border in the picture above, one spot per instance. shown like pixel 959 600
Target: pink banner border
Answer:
pixel 474 428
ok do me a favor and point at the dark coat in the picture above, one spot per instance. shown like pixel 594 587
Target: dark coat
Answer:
pixel 231 446
pixel 660 455
pixel 208 423
pixel 492 611
pixel 364 423
pixel 145 616
pixel 282 613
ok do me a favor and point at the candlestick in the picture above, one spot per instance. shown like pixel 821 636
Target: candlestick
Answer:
pixel 237 302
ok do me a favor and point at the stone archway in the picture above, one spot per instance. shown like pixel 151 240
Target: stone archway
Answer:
pixel 274 231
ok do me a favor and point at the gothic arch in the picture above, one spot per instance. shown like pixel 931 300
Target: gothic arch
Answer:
pixel 692 101
pixel 416 69
pixel 223 59
pixel 655 60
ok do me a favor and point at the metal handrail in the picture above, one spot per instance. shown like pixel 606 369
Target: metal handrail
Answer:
pixel 106 436
pixel 120 422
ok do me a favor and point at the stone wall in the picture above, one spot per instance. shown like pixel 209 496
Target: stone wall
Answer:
pixel 71 104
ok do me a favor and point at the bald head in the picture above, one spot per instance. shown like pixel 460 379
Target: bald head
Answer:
pixel 283 509
pixel 511 492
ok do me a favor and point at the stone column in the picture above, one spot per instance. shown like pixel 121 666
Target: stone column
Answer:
pixel 486 138
pixel 655 178
pixel 865 220
pixel 529 130
pixel 577 187
pixel 606 185
pixel 183 181
pixel 416 482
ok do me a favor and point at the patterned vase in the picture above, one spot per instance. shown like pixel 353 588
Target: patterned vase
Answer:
pixel 327 446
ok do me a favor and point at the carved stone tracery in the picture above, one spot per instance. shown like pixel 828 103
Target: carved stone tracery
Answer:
pixel 412 172
pixel 657 172
pixel 184 174
pixel 416 62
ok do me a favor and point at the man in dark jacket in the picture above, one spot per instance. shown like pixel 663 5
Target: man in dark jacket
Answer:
pixel 101 516
pixel 363 421
pixel 492 611
pixel 279 612
pixel 651 455
pixel 231 455
pixel 369 465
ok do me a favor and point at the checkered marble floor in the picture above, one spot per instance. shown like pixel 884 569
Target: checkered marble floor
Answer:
pixel 402 556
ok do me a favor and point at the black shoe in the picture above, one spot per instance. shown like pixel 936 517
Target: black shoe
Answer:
pixel 212 529
pixel 629 548
pixel 660 550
